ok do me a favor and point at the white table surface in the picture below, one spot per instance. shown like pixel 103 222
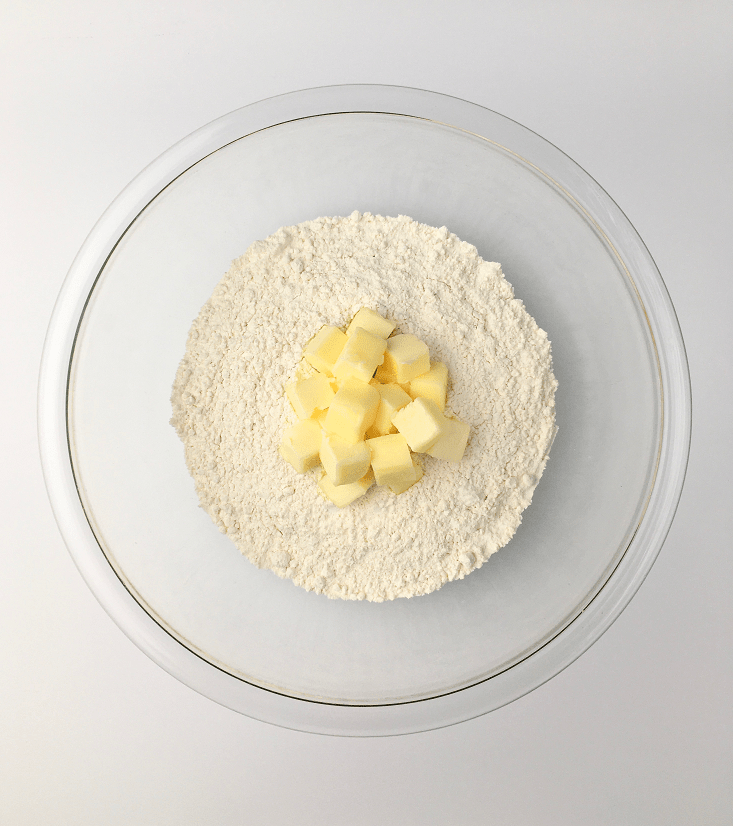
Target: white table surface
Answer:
pixel 639 730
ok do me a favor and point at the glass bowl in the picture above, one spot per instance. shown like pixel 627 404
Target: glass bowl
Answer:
pixel 126 505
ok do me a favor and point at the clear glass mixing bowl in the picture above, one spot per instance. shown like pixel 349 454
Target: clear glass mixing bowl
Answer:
pixel 126 505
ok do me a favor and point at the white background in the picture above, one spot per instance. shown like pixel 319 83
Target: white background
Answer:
pixel 640 729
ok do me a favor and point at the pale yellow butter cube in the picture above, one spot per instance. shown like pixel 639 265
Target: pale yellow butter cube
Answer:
pixel 372 322
pixel 405 358
pixel 408 480
pixel 301 444
pixel 324 348
pixel 421 423
pixel 431 385
pixel 393 398
pixel 391 458
pixel 343 495
pixel 309 395
pixel 362 354
pixel 352 410
pixel 451 444
pixel 384 374
pixel 343 461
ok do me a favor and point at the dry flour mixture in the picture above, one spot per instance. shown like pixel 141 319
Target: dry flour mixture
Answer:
pixel 229 407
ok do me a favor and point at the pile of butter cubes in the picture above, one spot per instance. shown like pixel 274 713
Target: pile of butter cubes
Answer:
pixel 373 399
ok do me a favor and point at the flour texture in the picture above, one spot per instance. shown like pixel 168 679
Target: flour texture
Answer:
pixel 229 405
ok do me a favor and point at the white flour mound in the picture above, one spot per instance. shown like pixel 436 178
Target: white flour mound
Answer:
pixel 229 407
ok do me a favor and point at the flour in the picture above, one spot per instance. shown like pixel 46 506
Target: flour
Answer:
pixel 229 407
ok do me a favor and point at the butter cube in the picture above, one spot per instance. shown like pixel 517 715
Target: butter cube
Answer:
pixel 393 398
pixel 343 495
pixel 391 459
pixel 372 322
pixel 405 358
pixel 309 395
pixel 343 461
pixel 324 348
pixel 451 444
pixel 362 354
pixel 431 385
pixel 421 423
pixel 408 480
pixel 352 410
pixel 301 444
pixel 384 375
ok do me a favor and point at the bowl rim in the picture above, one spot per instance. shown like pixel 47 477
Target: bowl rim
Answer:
pixel 411 716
